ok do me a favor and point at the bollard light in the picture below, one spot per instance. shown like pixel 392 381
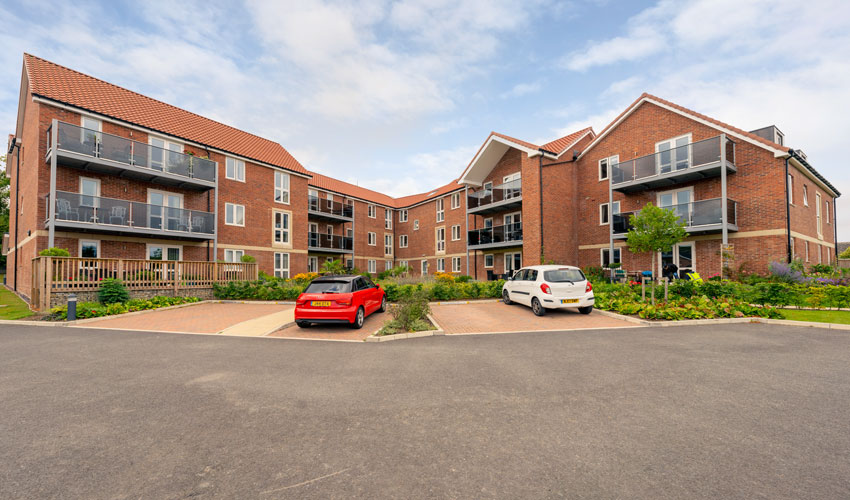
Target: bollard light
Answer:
pixel 72 307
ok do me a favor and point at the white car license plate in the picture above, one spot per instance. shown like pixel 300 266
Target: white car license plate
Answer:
pixel 569 301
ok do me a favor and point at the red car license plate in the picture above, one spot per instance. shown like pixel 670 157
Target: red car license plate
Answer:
pixel 320 303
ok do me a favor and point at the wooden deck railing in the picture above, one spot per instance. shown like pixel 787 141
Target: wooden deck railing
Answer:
pixel 79 274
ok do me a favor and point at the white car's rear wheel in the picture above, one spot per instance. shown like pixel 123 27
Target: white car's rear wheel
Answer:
pixel 537 307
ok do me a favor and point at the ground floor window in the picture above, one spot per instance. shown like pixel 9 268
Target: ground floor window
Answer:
pixel 373 266
pixel 165 252
pixel 682 256
pixel 441 265
pixel 488 261
pixel 281 265
pixel 388 265
pixel 349 263
pixel 89 249
pixel 233 255
pixel 424 267
pixel 403 263
pixel 513 261
pixel 605 254
pixel 312 264
pixel 455 264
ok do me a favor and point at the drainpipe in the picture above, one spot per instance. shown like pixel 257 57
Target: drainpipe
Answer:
pixel 540 195
pixel 16 144
pixel 835 231
pixel 787 215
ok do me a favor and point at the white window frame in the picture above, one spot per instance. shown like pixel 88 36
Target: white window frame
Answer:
pixel 790 189
pixel 373 266
pixel 618 255
pixel 673 146
pixel 279 270
pixel 372 239
pixel 312 264
pixel 238 169
pixel 606 220
pixel 388 264
pixel 826 211
pixel 805 195
pixel 165 249
pixel 441 209
pixel 609 162
pixel 509 258
pixel 236 208
pixel 423 266
pixel 388 244
pixel 455 201
pixel 96 245
pixel 286 231
pixel 456 227
pixel 456 264
pixel 281 187
pixel 402 241
pixel 388 218
pixel 96 196
pixel 416 225
pixel 372 211
pixel 806 242
pixel 402 263
pixel 232 255
pixel 329 229
pixel 440 239
pixel 820 253
pixel 441 265
pixel 402 215
pixel 819 214
pixel 492 260
pixel 329 200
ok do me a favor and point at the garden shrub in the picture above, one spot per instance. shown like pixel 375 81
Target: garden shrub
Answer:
pixel 409 315
pixel 248 258
pixel 821 268
pixel 87 310
pixel 112 290
pixel 787 273
pixel 55 252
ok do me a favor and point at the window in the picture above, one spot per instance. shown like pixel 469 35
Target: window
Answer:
pixel 790 189
pixel 312 264
pixel 233 255
pixel 605 256
pixel 441 239
pixel 349 263
pixel 89 249
pixel 372 211
pixel 330 230
pixel 281 187
pixel 402 215
pixel 441 265
pixel 388 218
pixel 281 227
pixel 234 169
pixel 441 210
pixel 455 264
pixel 826 211
pixel 424 267
pixel 488 261
pixel 793 249
pixel 456 232
pixel 819 215
pixel 281 265
pixel 807 250
pixel 819 254
pixel 402 241
pixel 160 252
pixel 388 244
pixel 603 214
pixel 513 261
pixel 780 138
pixel 159 148
pixel 605 165
pixel 330 201
pixel 371 239
pixel 416 225
pixel 805 195
pixel 90 196
pixel 373 266
pixel 234 215
pixel 388 264
pixel 402 263
pixel 455 200
pixel 349 232
pixel 673 154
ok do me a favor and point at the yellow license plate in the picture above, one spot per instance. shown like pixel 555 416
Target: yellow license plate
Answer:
pixel 569 301
pixel 320 303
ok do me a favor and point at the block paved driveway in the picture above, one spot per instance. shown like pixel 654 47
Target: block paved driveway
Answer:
pixel 479 317
pixel 721 411
pixel 373 323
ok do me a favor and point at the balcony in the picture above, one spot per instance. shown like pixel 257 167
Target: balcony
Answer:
pixel 328 243
pixel 502 197
pixel 89 149
pixel 318 208
pixel 508 235
pixel 701 217
pixel 85 213
pixel 695 161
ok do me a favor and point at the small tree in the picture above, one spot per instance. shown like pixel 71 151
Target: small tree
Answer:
pixel 845 254
pixel 654 230
pixel 333 267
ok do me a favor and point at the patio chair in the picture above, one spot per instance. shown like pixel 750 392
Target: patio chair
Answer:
pixel 620 274
pixel 66 211
pixel 183 223
pixel 198 224
pixel 118 214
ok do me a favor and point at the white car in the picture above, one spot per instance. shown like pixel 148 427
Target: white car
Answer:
pixel 549 287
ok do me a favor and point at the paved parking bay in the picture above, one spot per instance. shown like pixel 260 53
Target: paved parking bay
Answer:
pixel 721 411
pixel 373 323
pixel 488 316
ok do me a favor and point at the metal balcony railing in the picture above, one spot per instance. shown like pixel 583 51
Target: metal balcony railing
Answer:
pixel 695 214
pixel 96 144
pixel 507 191
pixel 114 213
pixel 316 204
pixel 674 160
pixel 495 235
pixel 330 241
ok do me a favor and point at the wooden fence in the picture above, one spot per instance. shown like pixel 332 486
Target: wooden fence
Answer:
pixel 79 274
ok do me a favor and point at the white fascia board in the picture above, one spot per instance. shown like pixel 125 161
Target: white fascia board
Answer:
pixel 493 138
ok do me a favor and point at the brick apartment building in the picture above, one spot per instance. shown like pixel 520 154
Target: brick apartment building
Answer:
pixel 106 172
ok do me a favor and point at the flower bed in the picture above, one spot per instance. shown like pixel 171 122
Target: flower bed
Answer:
pixel 87 310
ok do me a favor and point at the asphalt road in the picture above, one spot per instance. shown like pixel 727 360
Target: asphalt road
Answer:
pixel 734 411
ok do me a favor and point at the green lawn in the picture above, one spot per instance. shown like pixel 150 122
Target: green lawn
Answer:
pixel 819 316
pixel 11 306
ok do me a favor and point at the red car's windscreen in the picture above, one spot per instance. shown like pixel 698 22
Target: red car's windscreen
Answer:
pixel 329 287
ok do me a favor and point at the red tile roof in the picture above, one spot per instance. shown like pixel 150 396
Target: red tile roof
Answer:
pixel 59 83
pixel 328 183
pixel 559 145
pixel 407 201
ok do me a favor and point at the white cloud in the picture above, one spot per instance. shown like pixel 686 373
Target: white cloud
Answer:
pixel 522 89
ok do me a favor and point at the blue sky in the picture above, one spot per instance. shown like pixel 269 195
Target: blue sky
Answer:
pixel 398 96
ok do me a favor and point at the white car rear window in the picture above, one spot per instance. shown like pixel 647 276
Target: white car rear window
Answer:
pixel 563 275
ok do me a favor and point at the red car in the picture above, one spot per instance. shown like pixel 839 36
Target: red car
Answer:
pixel 339 299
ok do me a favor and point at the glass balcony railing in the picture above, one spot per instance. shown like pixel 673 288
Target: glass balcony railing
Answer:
pixel 330 241
pixel 671 161
pixel 335 208
pixel 695 214
pixel 110 212
pixel 495 235
pixel 97 144
pixel 507 191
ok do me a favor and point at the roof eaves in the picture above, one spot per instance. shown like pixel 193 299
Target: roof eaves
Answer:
pixel 814 172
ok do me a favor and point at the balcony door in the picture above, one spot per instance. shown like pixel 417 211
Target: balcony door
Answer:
pixel 511 185
pixel 89 199
pixel 683 256
pixel 680 201
pixel 312 264
pixel 314 235
pixel 166 208
pixel 512 226
pixel 673 154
